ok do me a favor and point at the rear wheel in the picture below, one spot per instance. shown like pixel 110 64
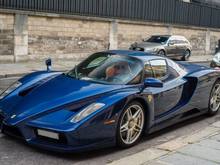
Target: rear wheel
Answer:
pixel 130 125
pixel 214 99
pixel 186 55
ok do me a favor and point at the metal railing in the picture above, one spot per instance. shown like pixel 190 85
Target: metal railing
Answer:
pixel 167 11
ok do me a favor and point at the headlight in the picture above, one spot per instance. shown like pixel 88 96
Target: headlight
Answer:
pixel 87 111
pixel 10 89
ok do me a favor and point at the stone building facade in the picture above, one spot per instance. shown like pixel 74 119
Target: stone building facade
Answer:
pixel 36 36
pixel 7 36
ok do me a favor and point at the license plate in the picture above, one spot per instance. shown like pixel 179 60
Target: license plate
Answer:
pixel 48 134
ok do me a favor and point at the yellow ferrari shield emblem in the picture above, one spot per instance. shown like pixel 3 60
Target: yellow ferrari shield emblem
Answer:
pixel 149 97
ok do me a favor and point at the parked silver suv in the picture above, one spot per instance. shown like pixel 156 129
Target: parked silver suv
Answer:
pixel 175 47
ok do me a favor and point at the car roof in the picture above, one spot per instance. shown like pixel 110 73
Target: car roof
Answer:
pixel 138 54
pixel 178 36
pixel 162 35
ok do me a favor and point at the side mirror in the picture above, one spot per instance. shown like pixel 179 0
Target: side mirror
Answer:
pixel 152 82
pixel 48 63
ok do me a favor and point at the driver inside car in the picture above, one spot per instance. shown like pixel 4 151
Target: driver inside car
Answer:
pixel 118 71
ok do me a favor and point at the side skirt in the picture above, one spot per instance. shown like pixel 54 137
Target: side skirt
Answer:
pixel 177 119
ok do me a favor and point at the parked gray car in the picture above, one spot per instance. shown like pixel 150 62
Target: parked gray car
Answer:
pixel 175 47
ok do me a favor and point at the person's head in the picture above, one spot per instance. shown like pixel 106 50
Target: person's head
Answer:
pixel 110 72
pixel 122 67
pixel 117 69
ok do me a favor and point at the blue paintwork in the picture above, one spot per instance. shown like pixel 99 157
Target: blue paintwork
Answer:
pixel 152 82
pixel 53 99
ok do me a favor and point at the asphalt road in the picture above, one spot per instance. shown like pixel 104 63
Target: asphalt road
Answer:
pixel 16 152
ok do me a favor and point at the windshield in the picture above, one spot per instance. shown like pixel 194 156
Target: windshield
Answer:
pixel 107 68
pixel 157 39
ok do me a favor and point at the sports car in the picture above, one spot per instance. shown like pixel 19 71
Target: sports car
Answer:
pixel 111 98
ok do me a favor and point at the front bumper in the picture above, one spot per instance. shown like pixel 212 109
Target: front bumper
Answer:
pixel 67 142
pixel 71 149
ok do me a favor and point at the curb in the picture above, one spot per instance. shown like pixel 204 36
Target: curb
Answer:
pixel 166 148
pixel 199 61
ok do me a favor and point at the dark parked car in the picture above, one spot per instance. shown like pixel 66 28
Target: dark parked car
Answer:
pixel 175 47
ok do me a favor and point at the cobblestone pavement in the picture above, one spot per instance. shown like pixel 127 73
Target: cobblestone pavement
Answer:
pixel 199 148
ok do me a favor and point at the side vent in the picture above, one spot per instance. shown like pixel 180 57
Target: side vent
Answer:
pixel 26 91
pixel 29 89
pixel 189 89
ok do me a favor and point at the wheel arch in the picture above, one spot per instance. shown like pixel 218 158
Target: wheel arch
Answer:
pixel 162 49
pixel 148 112
pixel 187 49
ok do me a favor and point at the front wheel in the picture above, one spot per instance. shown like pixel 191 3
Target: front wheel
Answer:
pixel 130 125
pixel 161 53
pixel 214 99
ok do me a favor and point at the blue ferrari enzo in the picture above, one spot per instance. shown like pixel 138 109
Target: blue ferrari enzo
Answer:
pixel 111 98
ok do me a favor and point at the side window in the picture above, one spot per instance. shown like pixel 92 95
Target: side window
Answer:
pixel 177 41
pixel 159 68
pixel 173 41
pixel 148 73
pixel 137 79
pixel 181 41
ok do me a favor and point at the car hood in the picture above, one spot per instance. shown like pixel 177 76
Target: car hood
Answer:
pixel 147 45
pixel 55 93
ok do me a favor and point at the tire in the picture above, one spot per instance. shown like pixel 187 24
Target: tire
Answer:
pixel 214 99
pixel 186 55
pixel 162 53
pixel 130 128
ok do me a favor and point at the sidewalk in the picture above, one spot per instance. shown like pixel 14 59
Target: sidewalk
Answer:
pixel 201 58
pixel 19 69
pixel 199 148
